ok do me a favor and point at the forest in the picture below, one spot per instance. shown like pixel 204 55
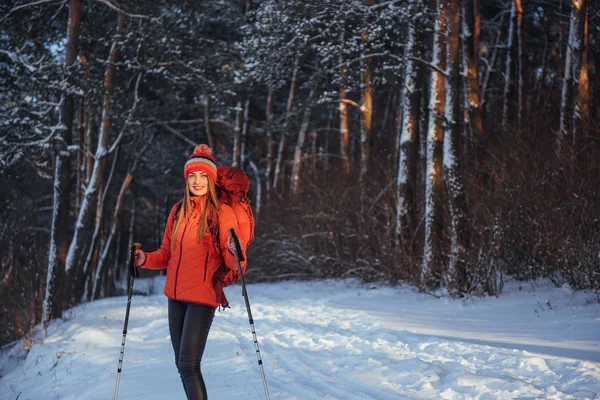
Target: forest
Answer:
pixel 447 144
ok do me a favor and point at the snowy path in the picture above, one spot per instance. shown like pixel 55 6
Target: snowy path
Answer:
pixel 330 340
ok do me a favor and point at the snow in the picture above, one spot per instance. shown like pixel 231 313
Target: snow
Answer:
pixel 327 340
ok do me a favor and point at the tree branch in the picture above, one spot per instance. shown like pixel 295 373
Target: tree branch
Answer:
pixel 179 134
pixel 383 5
pixel 353 103
pixel 33 4
pixel 116 8
pixel 420 60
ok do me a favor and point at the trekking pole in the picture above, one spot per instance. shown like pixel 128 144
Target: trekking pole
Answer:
pixel 134 273
pixel 239 257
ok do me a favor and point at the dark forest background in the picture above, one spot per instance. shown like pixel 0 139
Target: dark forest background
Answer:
pixel 443 143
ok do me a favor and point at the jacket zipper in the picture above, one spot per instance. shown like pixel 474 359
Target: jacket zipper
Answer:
pixel 205 266
pixel 179 262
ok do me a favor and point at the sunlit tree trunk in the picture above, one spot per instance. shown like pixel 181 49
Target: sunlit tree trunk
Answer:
pixel 366 108
pixel 344 132
pixel 470 34
pixel 432 259
pixel 574 68
pixel 54 301
pixel 288 116
pixel 452 174
pixel 408 133
pixel 581 87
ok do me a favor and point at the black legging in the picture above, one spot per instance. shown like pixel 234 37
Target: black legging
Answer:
pixel 189 325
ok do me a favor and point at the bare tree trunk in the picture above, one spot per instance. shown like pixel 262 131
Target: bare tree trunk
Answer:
pixel 258 189
pixel 54 301
pixel 508 65
pixel 96 181
pixel 470 33
pixel 520 64
pixel 457 273
pixel 97 282
pixel 207 117
pixel 288 116
pixel 77 293
pixel 297 165
pixel 544 68
pixel 313 149
pixel 367 111
pixel 90 141
pixel 117 259
pixel 581 86
pixel 80 153
pixel 432 260
pixel 491 63
pixel 324 148
pixel 566 103
pixel 237 135
pixel 270 142
pixel 408 133
pixel 245 128
pixel 344 132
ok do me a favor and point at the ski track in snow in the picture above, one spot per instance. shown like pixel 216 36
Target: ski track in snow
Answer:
pixel 324 340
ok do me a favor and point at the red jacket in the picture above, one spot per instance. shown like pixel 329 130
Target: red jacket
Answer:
pixel 191 265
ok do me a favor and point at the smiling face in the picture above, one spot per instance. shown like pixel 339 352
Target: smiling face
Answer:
pixel 197 183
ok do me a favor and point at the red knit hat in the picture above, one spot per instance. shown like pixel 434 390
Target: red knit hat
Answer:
pixel 201 160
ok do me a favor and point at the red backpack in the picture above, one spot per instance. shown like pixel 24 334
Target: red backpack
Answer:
pixel 232 187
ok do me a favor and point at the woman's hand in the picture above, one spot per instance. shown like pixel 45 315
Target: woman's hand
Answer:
pixel 140 257
pixel 231 245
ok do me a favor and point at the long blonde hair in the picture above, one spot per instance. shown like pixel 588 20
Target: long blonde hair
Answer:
pixel 185 211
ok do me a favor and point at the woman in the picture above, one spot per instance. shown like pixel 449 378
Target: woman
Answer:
pixel 195 244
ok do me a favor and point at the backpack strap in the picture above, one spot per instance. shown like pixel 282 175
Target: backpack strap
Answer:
pixel 177 208
pixel 213 226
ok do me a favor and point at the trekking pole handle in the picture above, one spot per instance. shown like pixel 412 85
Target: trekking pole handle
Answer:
pixel 238 247
pixel 133 270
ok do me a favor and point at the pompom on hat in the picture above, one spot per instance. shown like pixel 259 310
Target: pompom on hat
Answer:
pixel 201 160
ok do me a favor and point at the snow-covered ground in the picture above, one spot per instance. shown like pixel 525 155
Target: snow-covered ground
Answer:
pixel 328 340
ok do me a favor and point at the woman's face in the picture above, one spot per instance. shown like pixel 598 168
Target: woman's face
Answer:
pixel 197 183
